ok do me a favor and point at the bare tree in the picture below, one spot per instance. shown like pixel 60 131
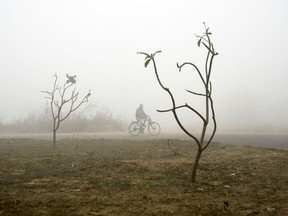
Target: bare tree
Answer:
pixel 58 102
pixel 209 113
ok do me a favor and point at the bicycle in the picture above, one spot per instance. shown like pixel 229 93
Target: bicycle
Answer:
pixel 135 128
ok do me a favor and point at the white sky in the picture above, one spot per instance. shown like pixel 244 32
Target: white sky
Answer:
pixel 98 41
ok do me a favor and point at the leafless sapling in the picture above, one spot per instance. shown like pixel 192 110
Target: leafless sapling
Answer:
pixel 205 139
pixel 62 106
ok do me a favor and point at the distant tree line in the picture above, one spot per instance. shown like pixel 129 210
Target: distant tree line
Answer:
pixel 101 121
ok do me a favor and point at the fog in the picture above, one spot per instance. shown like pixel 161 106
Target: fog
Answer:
pixel 98 42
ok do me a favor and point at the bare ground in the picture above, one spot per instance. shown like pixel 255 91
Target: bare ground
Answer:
pixel 130 177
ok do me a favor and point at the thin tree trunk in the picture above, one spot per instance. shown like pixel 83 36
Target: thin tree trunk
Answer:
pixel 54 139
pixel 54 133
pixel 196 162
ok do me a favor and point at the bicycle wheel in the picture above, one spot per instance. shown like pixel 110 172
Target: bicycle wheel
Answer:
pixel 134 129
pixel 154 128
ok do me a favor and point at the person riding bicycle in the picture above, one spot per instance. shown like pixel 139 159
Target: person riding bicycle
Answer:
pixel 137 127
pixel 141 116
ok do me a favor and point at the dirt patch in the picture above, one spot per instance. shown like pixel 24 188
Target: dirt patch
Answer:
pixel 129 177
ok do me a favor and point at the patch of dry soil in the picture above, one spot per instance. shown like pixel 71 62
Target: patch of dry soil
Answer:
pixel 130 177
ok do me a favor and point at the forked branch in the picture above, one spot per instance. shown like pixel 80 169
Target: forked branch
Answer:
pixel 209 105
pixel 58 102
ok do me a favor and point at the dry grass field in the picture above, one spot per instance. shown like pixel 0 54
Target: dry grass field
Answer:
pixel 139 177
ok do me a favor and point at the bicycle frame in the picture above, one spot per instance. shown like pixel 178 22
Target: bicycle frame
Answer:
pixel 143 122
pixel 137 127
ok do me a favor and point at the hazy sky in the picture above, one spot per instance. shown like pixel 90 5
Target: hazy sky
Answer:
pixel 98 41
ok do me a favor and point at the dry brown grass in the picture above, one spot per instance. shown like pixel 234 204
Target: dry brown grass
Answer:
pixel 125 177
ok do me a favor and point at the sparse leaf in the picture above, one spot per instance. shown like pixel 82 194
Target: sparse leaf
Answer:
pixel 147 62
pixel 152 55
pixel 142 53
pixel 199 42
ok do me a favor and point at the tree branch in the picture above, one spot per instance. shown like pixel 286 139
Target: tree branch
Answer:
pixel 193 65
pixel 195 93
pixel 184 106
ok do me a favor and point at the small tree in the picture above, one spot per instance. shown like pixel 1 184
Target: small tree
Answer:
pixel 202 142
pixel 58 102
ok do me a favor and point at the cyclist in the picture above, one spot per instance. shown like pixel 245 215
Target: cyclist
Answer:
pixel 141 116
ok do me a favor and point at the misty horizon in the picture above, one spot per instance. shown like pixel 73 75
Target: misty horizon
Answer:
pixel 99 42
